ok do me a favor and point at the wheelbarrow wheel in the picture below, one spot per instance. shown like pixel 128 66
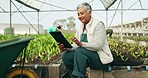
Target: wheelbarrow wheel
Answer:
pixel 17 73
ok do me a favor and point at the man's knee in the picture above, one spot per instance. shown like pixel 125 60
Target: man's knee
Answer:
pixel 80 51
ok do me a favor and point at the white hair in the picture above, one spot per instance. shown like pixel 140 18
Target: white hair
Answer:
pixel 85 5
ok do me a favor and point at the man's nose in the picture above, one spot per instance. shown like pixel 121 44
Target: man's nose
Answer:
pixel 80 17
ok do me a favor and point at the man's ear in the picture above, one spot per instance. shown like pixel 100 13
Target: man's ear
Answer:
pixel 90 13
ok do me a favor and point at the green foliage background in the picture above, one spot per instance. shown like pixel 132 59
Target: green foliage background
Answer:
pixel 45 46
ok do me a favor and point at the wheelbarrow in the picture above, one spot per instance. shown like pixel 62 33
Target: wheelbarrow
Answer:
pixel 9 51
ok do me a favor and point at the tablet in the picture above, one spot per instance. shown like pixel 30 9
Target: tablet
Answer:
pixel 58 36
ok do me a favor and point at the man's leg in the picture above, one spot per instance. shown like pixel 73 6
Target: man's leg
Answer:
pixel 84 58
pixel 68 60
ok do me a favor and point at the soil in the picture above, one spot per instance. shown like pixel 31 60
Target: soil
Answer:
pixel 132 61
pixel 53 60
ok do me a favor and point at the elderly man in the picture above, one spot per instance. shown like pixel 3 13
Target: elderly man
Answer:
pixel 90 47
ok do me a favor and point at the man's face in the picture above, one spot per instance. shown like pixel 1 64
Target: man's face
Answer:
pixel 83 15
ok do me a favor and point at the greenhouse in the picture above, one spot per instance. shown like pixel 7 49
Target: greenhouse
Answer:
pixel 29 50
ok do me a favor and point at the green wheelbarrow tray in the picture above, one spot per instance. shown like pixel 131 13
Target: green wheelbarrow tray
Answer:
pixel 9 51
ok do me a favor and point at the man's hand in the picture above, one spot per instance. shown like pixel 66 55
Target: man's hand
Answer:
pixel 62 48
pixel 76 41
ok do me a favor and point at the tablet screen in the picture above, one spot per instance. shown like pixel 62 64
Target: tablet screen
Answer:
pixel 58 36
